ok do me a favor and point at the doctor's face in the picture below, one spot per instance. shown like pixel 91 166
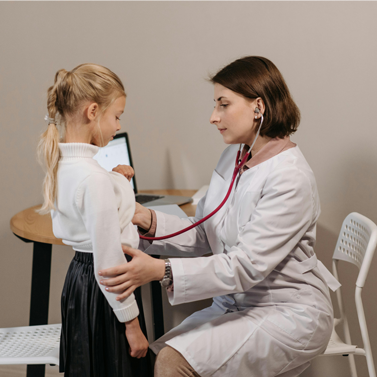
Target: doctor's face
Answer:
pixel 233 116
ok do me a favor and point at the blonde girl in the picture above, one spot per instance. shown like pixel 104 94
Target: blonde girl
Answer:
pixel 91 211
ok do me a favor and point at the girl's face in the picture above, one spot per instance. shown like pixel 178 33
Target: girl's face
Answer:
pixel 109 123
pixel 234 116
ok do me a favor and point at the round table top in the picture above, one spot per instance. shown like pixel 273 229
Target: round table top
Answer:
pixel 30 225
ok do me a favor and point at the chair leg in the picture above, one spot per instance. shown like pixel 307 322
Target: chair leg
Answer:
pixel 364 332
pixel 347 336
pixel 351 360
pixel 370 363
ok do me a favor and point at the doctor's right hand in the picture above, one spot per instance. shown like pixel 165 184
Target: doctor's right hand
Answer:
pixel 142 217
pixel 126 277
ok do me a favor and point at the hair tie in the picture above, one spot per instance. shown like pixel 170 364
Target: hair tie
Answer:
pixel 50 120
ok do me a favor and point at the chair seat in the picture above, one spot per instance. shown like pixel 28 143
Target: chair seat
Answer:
pixel 337 347
pixel 30 345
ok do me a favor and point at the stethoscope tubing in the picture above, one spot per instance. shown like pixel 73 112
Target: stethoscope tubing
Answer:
pixel 237 168
pixel 235 172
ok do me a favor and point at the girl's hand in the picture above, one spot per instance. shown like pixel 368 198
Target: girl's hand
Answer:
pixel 142 217
pixel 136 339
pixel 128 276
pixel 125 170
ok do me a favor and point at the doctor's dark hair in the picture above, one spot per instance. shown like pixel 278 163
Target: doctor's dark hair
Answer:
pixel 255 76
pixel 65 99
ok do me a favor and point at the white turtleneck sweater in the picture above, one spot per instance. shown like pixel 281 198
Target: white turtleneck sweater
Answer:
pixel 94 209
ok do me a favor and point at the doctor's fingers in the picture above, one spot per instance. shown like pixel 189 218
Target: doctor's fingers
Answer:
pixel 127 293
pixel 113 271
pixel 117 280
pixel 125 290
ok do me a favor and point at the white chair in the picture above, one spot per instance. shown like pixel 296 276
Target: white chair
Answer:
pixel 30 345
pixel 356 244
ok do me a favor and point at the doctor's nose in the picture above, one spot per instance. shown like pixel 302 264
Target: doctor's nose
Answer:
pixel 214 117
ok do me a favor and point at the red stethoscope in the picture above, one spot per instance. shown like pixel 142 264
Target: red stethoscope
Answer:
pixel 238 165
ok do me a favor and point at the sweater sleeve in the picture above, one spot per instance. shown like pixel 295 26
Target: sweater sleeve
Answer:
pixel 96 202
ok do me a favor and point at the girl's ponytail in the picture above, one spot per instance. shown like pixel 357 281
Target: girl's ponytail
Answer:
pixel 48 151
pixel 48 147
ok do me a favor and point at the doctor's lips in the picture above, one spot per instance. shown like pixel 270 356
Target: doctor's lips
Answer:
pixel 222 130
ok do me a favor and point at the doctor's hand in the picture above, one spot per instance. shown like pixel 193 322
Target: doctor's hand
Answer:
pixel 142 217
pixel 125 170
pixel 125 278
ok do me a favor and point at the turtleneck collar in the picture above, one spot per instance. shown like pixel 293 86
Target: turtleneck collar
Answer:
pixel 79 150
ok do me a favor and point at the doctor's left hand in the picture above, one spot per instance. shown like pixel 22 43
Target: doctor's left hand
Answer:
pixel 125 278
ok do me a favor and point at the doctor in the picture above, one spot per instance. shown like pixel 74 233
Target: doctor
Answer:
pixel 271 311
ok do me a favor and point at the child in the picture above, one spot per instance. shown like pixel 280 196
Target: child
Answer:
pixel 91 211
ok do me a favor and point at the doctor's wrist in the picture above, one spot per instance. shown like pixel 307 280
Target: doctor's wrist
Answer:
pixel 143 218
pixel 159 269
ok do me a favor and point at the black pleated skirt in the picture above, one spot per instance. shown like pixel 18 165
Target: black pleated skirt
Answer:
pixel 93 342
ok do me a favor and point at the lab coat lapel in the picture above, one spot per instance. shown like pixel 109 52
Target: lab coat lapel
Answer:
pixel 220 181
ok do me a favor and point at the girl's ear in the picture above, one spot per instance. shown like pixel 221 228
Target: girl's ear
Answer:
pixel 92 111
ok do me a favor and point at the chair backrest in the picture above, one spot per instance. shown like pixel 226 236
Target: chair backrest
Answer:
pixel 356 244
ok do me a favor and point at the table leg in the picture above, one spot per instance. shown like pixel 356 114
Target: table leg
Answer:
pixel 40 295
pixel 158 315
pixel 36 370
pixel 40 284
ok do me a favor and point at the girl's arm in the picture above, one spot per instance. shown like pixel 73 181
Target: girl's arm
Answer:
pixel 136 339
pixel 96 202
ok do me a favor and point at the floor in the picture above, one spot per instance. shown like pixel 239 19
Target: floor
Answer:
pixel 20 371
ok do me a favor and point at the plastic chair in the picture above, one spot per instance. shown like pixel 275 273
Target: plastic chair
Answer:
pixel 356 244
pixel 30 345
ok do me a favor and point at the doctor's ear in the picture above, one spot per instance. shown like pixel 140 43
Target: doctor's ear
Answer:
pixel 259 108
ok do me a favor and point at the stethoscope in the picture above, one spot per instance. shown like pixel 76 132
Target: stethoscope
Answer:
pixel 238 165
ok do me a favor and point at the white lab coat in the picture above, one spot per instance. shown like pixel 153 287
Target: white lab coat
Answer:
pixel 271 311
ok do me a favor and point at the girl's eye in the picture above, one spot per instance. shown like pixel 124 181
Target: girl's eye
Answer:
pixel 117 118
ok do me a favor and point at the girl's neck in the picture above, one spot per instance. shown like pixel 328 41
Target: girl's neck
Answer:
pixel 77 134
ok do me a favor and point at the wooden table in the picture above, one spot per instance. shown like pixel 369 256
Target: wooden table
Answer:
pixel 29 226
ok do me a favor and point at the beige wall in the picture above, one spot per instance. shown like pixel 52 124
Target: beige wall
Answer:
pixel 163 51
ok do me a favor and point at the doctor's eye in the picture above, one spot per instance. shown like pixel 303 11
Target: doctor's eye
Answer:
pixel 224 105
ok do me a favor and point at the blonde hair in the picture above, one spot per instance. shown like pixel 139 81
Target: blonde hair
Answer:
pixel 87 82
